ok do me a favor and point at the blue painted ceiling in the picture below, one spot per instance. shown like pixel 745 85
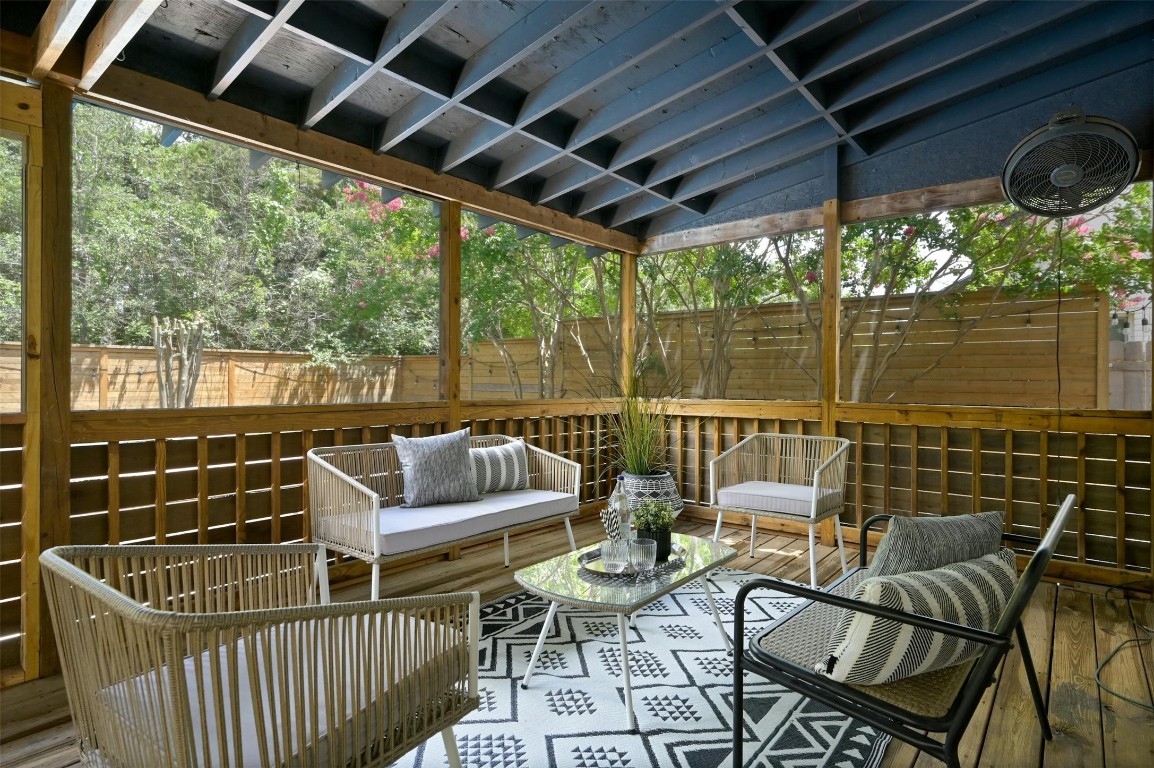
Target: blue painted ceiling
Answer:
pixel 650 117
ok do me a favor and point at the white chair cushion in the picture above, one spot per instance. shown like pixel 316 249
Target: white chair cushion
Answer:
pixel 777 498
pixel 404 529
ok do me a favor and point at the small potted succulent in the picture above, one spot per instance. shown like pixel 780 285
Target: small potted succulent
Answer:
pixel 654 520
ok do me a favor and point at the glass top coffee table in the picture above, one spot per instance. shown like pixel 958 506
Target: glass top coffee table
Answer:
pixel 565 580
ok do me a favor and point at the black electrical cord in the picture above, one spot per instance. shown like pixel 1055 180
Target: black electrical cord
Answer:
pixel 1139 627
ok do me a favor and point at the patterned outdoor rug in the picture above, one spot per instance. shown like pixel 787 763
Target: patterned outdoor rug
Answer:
pixel 573 714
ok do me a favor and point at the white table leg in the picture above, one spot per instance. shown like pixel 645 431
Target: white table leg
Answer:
pixel 716 615
pixel 623 631
pixel 540 644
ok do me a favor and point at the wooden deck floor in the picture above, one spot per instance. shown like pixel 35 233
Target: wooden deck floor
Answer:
pixel 1071 629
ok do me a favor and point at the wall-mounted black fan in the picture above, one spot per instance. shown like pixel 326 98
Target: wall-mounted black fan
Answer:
pixel 1070 166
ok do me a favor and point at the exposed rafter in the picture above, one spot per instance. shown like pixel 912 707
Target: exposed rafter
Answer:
pixel 254 34
pixel 625 50
pixel 120 23
pixel 514 44
pixel 640 116
pixel 57 27
pixel 405 26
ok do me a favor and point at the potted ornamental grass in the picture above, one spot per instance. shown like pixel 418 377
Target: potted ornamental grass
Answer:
pixel 638 429
pixel 654 520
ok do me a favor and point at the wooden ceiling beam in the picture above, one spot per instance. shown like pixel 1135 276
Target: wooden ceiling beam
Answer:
pixel 61 21
pixel 978 73
pixel 254 34
pixel 116 28
pixel 626 50
pixel 404 27
pixel 163 101
pixel 512 45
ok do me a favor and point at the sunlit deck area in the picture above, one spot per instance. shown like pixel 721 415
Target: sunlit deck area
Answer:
pixel 1072 627
pixel 238 234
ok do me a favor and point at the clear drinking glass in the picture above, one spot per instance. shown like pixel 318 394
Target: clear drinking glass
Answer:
pixel 614 555
pixel 642 554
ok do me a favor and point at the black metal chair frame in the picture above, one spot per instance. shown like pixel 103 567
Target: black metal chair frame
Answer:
pixel 885 716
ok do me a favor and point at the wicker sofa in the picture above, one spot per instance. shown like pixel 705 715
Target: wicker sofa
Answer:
pixel 231 655
pixel 355 493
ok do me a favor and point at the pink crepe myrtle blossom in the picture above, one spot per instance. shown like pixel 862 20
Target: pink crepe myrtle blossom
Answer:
pixel 358 284
pixel 1139 255
pixel 395 204
pixel 999 216
pixel 1130 303
pixel 811 276
pixel 1075 222
pixel 361 304
pixel 910 231
pixel 490 231
pixel 464 233
pixel 1084 230
pixel 433 252
pixel 381 270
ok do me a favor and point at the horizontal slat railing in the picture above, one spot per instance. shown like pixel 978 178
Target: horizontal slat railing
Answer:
pixel 236 475
pixel 935 460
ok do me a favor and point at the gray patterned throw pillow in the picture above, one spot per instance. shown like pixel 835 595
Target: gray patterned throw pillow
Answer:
pixel 501 467
pixel 924 543
pixel 869 650
pixel 437 469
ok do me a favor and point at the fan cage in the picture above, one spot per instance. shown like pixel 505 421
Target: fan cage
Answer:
pixel 1103 156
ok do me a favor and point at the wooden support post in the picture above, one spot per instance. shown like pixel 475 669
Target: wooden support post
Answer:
pixel 450 369
pixel 48 347
pixel 628 325
pixel 830 332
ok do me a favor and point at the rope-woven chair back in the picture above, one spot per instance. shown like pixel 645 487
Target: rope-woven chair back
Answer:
pixel 224 656
pixel 792 459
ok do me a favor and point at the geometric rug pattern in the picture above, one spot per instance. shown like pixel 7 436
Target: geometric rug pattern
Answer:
pixel 573 715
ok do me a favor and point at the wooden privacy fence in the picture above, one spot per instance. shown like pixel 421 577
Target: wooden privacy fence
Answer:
pixel 1005 359
pixel 236 475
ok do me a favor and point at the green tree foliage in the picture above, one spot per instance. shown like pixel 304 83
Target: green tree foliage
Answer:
pixel 11 237
pixel 268 259
pixel 931 261
pixel 524 288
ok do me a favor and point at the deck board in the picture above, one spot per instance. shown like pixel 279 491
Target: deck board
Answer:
pixel 1070 630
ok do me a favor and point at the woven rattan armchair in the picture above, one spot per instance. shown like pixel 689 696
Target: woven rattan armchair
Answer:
pixel 232 656
pixel 913 709
pixel 788 477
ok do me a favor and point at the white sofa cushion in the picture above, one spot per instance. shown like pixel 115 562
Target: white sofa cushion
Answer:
pixel 778 498
pixel 404 529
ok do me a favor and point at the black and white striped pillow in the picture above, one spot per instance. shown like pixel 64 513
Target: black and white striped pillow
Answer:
pixel 867 650
pixel 924 543
pixel 501 467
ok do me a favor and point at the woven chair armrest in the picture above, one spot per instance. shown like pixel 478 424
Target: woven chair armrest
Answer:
pixel 914 619
pixel 725 469
pixel 831 473
pixel 550 472
pixel 343 513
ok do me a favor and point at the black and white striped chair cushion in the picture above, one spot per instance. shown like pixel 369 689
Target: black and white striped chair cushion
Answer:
pixel 501 467
pixel 868 650
pixel 924 543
